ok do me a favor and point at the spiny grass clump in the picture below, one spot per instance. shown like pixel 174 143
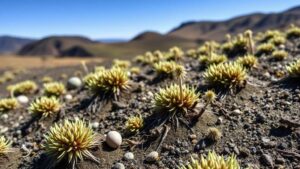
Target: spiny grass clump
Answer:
pixel 247 61
pixel 277 41
pixel 227 75
pixel 236 46
pixel 149 58
pixel 47 79
pixel 8 104
pixel 166 68
pixel 213 161
pixel 174 99
pixel 45 107
pixel 279 55
pixel 134 124
pixel 214 134
pixel 265 48
pixel 213 59
pixel 175 53
pixel 269 35
pixel 293 32
pixel 135 70
pixel 54 89
pixel 5 145
pixel 123 64
pixel 71 141
pixel 113 81
pixel 210 96
pixel 25 87
pixel 192 53
pixel 294 69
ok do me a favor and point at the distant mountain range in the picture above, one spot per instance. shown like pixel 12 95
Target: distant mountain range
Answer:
pixel 187 35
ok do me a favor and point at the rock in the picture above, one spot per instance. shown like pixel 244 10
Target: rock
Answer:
pixel 95 125
pixel 4 116
pixel 267 160
pixel 23 99
pixel 113 139
pixel 119 166
pixel 68 97
pixel 152 157
pixel 129 156
pixel 192 136
pixel 74 83
pixel 260 118
pixel 119 105
pixel 237 112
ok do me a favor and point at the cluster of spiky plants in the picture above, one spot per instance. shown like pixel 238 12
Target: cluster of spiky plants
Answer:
pixel 293 32
pixel 175 53
pixel 236 46
pixel 8 104
pixel 25 87
pixel 247 61
pixel 54 89
pixel 226 75
pixel 265 48
pixel 71 141
pixel 279 55
pixel 294 69
pixel 269 35
pixel 210 96
pixel 174 99
pixel 149 57
pixel 5 145
pixel 45 107
pixel 47 79
pixel 123 64
pixel 208 48
pixel 277 41
pixel 192 53
pixel 113 81
pixel 212 59
pixel 212 161
pixel 135 70
pixel 134 124
pixel 214 134
pixel 167 68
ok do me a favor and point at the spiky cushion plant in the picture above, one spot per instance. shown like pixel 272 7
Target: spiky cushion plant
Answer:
pixel 213 59
pixel 226 75
pixel 247 61
pixel 269 35
pixel 279 55
pixel 134 124
pixel 71 140
pixel 25 87
pixel 172 101
pixel 166 68
pixel 175 53
pixel 123 64
pixel 293 33
pixel 212 161
pixel 54 89
pixel 294 69
pixel 45 107
pixel 8 104
pixel 265 48
pixel 5 145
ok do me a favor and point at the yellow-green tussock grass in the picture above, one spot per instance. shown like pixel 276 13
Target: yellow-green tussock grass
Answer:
pixel 45 107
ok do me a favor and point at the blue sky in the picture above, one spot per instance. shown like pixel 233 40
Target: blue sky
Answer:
pixel 119 18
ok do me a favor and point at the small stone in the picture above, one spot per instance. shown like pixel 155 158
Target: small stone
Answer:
pixel 129 156
pixel 192 136
pixel 95 125
pixel 23 99
pixel 152 157
pixel 68 97
pixel 74 82
pixel 119 105
pixel 267 160
pixel 4 116
pixel 113 139
pixel 219 121
pixel 237 112
pixel 119 166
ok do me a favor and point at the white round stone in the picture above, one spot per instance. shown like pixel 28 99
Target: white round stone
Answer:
pixel 23 99
pixel 153 156
pixel 113 139
pixel 74 82
pixel 4 116
pixel 95 125
pixel 119 166
pixel 68 97
pixel 129 156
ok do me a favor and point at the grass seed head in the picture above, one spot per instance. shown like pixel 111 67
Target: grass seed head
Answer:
pixel 45 106
pixel 71 140
pixel 8 104
pixel 294 69
pixel 247 61
pixel 25 87
pixel 213 161
pixel 5 145
pixel 134 124
pixel 54 89
pixel 170 99
pixel 227 75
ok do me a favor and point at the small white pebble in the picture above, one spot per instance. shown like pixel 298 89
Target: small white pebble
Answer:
pixel 95 125
pixel 4 116
pixel 74 82
pixel 113 139
pixel 68 97
pixel 153 156
pixel 23 99
pixel 237 112
pixel 129 156
pixel 119 166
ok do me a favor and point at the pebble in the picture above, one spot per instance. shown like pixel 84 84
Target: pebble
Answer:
pixel 68 97
pixel 4 116
pixel 129 156
pixel 23 99
pixel 119 105
pixel 74 82
pixel 237 112
pixel 192 136
pixel 95 125
pixel 152 157
pixel 119 166
pixel 267 160
pixel 113 139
